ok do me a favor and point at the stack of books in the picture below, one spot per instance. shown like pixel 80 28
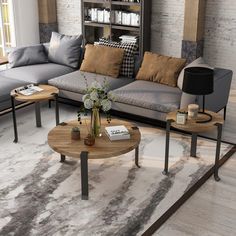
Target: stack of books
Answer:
pixel 129 38
pixel 119 132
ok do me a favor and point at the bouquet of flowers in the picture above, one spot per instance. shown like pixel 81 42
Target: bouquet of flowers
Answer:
pixel 97 98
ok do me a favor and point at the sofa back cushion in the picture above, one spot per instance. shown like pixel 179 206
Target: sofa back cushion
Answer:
pixel 65 50
pixel 160 69
pixel 30 55
pixel 127 67
pixel 102 60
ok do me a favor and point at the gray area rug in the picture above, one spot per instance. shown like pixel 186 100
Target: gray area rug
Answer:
pixel 40 196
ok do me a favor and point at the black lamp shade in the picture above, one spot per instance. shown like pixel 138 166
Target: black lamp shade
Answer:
pixel 198 81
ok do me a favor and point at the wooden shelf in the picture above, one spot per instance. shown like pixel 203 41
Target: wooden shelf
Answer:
pixel 120 27
pixel 96 24
pixel 120 3
pixel 125 27
pixel 97 1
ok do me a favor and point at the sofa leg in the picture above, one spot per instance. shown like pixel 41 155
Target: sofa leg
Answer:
pixel 225 109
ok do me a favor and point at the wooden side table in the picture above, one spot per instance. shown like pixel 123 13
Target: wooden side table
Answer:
pixel 194 128
pixel 48 93
pixel 59 139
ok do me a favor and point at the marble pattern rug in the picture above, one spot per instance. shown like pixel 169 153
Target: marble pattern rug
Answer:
pixel 41 196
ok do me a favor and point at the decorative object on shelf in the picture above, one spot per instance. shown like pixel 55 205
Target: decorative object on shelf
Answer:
pixel 96 98
pixel 181 117
pixel 75 133
pixel 199 81
pixel 193 111
pixel 89 140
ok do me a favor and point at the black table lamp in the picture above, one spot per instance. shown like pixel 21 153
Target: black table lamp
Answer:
pixel 199 81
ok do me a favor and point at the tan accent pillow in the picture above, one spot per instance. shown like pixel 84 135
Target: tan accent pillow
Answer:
pixel 160 69
pixel 102 60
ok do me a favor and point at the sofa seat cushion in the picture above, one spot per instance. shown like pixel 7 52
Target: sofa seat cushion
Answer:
pixel 76 81
pixel 6 85
pixel 39 73
pixel 149 95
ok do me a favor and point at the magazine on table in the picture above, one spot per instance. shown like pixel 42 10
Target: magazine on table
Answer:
pixel 28 90
pixel 119 132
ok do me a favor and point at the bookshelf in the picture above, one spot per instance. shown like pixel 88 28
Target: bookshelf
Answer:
pixel 111 19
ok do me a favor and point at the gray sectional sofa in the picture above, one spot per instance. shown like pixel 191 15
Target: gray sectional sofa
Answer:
pixel 141 98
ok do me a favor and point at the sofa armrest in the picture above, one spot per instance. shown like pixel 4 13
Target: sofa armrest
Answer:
pixel 219 98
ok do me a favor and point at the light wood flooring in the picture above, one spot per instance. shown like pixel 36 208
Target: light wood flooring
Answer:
pixel 211 211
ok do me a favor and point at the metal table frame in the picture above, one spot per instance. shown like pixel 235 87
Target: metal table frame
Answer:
pixel 193 149
pixel 37 114
pixel 84 171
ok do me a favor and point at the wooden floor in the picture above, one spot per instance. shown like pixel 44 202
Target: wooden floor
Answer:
pixel 211 211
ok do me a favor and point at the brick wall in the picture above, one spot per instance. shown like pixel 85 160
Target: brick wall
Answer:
pixel 167 26
pixel 220 35
pixel 69 16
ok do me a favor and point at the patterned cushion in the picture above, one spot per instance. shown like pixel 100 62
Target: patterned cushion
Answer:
pixel 127 67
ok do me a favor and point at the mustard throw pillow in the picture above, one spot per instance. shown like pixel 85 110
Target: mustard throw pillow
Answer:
pixel 160 69
pixel 102 60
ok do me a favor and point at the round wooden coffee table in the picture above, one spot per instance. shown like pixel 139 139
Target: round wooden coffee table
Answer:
pixel 59 139
pixel 48 93
pixel 194 128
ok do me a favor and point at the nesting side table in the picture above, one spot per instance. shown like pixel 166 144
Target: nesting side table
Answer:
pixel 194 128
pixel 48 93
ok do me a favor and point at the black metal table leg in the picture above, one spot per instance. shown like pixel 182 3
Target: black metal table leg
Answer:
pixel 217 157
pixel 14 119
pixel 137 157
pixel 49 103
pixel 84 175
pixel 168 124
pixel 63 158
pixel 193 151
pixel 56 109
pixel 37 114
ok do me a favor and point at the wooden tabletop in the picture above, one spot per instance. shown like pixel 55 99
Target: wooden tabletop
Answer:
pixel 191 124
pixel 3 60
pixel 59 140
pixel 46 94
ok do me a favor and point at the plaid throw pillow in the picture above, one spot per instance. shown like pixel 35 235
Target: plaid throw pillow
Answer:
pixel 127 67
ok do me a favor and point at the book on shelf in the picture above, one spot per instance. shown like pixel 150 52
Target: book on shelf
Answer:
pixel 129 38
pixel 119 132
pixel 28 90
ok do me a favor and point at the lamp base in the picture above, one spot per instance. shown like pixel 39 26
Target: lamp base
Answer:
pixel 209 117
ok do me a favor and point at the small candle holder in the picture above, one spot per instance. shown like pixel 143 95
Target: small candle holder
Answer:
pixel 75 133
pixel 181 117
pixel 89 140
pixel 193 111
